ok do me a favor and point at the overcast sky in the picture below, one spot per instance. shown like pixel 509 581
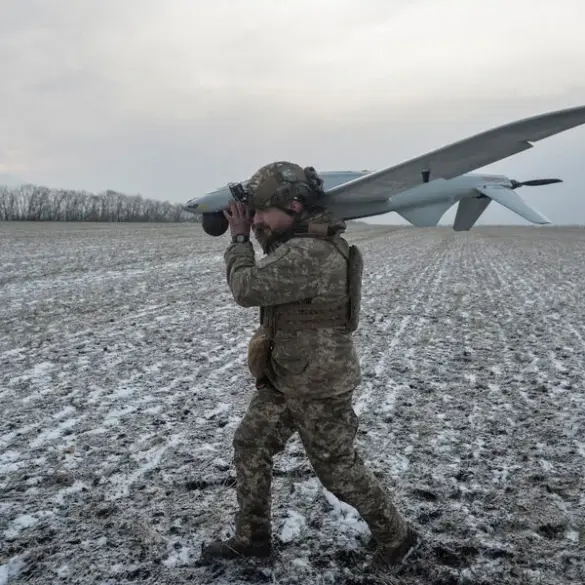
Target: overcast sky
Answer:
pixel 171 99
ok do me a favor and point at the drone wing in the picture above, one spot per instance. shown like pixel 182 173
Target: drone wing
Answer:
pixel 457 158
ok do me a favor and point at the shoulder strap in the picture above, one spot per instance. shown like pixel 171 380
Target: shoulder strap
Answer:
pixel 325 233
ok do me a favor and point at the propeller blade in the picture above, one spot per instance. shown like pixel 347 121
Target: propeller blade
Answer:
pixel 535 182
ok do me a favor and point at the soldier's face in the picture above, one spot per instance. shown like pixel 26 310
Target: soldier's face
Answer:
pixel 273 218
pixel 269 223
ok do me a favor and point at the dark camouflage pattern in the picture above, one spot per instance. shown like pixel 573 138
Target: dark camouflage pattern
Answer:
pixel 318 363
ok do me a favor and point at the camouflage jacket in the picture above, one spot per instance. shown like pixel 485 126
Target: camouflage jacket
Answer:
pixel 321 362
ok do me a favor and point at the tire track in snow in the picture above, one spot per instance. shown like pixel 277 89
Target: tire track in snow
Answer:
pixel 408 310
pixel 417 373
pixel 526 385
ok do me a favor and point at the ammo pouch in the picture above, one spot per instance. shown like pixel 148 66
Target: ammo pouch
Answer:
pixel 259 352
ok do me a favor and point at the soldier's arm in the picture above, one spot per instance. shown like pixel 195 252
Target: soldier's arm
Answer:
pixel 288 274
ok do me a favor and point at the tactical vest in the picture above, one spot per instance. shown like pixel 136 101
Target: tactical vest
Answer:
pixel 307 314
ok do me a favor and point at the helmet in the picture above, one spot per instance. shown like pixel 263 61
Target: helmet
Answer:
pixel 279 183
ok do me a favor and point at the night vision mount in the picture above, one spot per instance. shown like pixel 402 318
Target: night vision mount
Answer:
pixel 239 192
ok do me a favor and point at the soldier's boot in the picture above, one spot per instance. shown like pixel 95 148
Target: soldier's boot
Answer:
pixel 252 539
pixel 232 548
pixel 392 555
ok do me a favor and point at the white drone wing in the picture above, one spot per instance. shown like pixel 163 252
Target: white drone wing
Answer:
pixel 457 158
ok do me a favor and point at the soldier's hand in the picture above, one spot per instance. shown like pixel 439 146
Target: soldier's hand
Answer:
pixel 238 216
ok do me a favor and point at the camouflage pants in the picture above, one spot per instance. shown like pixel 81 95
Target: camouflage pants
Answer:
pixel 327 428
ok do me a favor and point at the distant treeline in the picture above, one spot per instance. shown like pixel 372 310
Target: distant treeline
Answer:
pixel 37 203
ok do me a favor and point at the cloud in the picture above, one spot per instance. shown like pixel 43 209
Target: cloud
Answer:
pixel 170 99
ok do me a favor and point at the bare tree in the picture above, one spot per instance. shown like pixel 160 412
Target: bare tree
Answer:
pixel 39 203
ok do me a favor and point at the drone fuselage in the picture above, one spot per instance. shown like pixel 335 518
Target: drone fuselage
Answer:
pixel 436 194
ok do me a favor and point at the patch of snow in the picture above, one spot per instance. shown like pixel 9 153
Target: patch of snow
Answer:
pixel 11 570
pixel 293 526
pixel 20 523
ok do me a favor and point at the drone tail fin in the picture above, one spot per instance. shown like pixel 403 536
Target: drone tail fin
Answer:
pixel 510 199
pixel 469 211
pixel 426 215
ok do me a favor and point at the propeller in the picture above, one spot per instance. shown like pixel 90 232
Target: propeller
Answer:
pixel 534 182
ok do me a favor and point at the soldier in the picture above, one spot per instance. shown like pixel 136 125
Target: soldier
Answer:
pixel 306 368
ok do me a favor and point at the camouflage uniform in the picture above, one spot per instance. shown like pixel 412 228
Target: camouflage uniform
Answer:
pixel 308 385
pixel 320 362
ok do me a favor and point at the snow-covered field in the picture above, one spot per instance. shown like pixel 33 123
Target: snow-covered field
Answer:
pixel 123 377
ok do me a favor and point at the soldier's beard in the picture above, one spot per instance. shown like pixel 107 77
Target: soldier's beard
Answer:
pixel 267 237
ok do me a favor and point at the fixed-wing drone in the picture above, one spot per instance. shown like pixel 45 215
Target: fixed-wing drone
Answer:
pixel 422 189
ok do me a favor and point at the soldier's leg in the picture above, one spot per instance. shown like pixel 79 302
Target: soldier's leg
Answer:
pixel 262 433
pixel 328 429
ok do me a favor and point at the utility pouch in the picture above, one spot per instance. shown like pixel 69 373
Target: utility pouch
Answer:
pixel 355 271
pixel 259 350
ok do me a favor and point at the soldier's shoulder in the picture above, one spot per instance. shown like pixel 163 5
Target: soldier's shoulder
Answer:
pixel 315 251
pixel 313 244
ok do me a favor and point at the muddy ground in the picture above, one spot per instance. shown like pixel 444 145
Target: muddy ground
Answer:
pixel 123 378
